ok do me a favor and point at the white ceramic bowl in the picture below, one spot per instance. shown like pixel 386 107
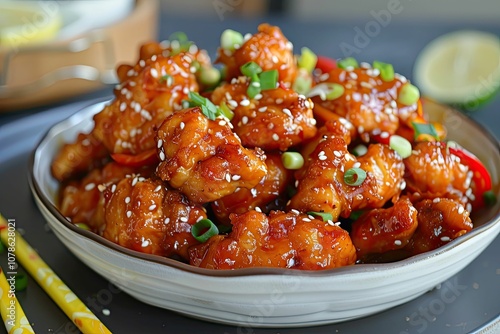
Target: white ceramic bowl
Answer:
pixel 267 297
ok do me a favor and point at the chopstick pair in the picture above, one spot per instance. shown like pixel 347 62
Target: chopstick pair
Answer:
pixel 59 292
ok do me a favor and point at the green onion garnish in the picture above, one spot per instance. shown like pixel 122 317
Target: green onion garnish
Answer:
pixel 359 150
pixel 424 129
pixel 268 79
pixel 302 85
pixel 209 76
pixel 386 70
pixel 83 226
pixel 336 91
pixel 408 94
pixel 167 79
pixel 327 91
pixel 307 60
pixel 400 145
pixel 253 90
pixel 292 160
pixel 250 69
pixel 226 111
pixel 347 62
pixel 178 36
pixel 489 198
pixel 207 107
pixel 354 176
pixel 326 216
pixel 230 39
pixel 20 282
pixel 204 230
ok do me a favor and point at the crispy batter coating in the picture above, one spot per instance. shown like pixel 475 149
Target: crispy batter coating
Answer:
pixel 82 201
pixel 154 88
pixel 368 103
pixel 283 240
pixel 79 157
pixel 384 230
pixel 278 119
pixel 143 215
pixel 203 158
pixel 321 182
pixel 268 194
pixel 269 48
pixel 439 221
pixel 432 172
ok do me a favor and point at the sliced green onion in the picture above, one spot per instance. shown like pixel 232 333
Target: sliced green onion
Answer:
pixel 336 91
pixel 167 79
pixel 83 226
pixel 207 107
pixel 250 69
pixel 424 129
pixel 489 198
pixel 347 62
pixel 204 230
pixel 178 36
pixel 408 94
pixel 354 176
pixel 386 70
pixel 292 160
pixel 226 111
pixel 302 84
pixel 230 39
pixel 20 282
pixel 209 76
pixel 359 150
pixel 268 79
pixel 400 145
pixel 327 91
pixel 325 216
pixel 252 90
pixel 307 60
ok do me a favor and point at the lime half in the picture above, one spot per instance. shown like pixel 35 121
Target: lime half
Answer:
pixel 460 68
pixel 27 23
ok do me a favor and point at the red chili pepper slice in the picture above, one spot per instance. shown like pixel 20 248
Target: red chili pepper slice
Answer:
pixel 146 158
pixel 481 177
pixel 325 64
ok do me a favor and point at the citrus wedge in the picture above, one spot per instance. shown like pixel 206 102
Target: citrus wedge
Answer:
pixel 24 24
pixel 460 68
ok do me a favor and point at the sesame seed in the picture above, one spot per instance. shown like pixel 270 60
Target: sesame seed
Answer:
pixel 145 243
pixel 113 188
pixel 275 59
pixel 279 101
pixel 127 200
pixel 183 219
pixel 129 214
pixel 227 177
pixel 262 109
pixel 236 177
pixel 89 186
pixel 123 106
pixel 182 125
pixel 338 154
pixel 167 220
pixel 233 103
pixel 276 137
pixel 244 120
pixel 258 209
pixel 322 157
pixel 258 96
pixel 445 238
pixel 461 210
pixel 159 143
pixel 162 156
pixel 101 187
pixel 288 112
pixel 397 242
pixel 245 102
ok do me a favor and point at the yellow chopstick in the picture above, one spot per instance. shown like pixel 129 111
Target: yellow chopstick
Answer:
pixel 74 308
pixel 12 314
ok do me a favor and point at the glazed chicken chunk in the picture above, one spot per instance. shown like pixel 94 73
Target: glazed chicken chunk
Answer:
pixel 282 240
pixel 322 186
pixel 142 214
pixel 368 102
pixel 269 48
pixel 203 158
pixel 153 89
pixel 275 119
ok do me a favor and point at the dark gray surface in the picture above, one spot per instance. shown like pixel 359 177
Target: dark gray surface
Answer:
pixel 464 303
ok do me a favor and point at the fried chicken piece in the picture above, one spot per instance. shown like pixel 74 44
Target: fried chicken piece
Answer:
pixel 143 215
pixel 332 128
pixel 283 240
pixel 369 103
pixel 432 171
pixel 269 48
pixel 439 221
pixel 322 187
pixel 203 158
pixel 82 201
pixel 278 119
pixel 77 158
pixel 153 89
pixel 384 230
pixel 267 195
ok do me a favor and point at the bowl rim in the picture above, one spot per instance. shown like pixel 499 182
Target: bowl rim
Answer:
pixel 76 118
